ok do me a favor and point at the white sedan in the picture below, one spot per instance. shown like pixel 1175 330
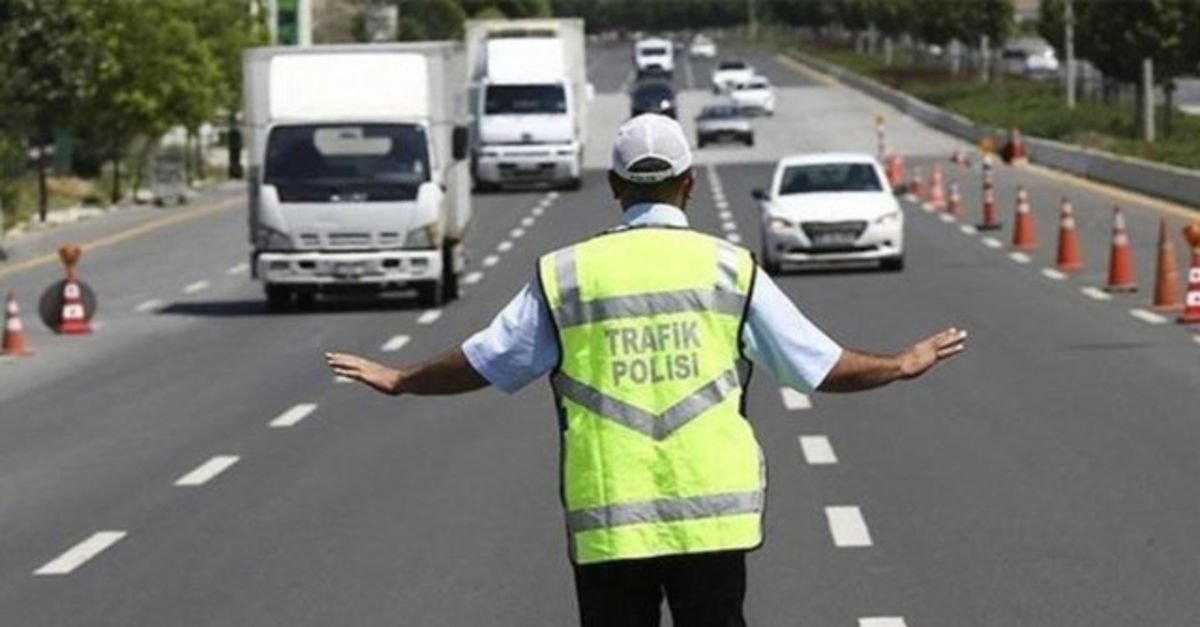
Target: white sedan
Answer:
pixel 728 73
pixel 830 207
pixel 754 95
pixel 703 48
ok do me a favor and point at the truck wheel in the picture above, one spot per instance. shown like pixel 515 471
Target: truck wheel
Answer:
pixel 449 282
pixel 431 294
pixel 305 299
pixel 279 298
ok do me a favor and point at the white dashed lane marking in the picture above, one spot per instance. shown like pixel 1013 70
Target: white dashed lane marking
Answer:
pixel 198 286
pixel 527 222
pixel 882 621
pixel 1148 316
pixel 992 242
pixel 793 400
pixel 817 450
pixel 491 260
pixel 1019 257
pixel 729 225
pixel 395 343
pixel 293 416
pixel 504 246
pixel 337 378
pixel 429 317
pixel 725 215
pixel 238 269
pixel 81 553
pixel 847 527
pixel 473 278
pixel 149 305
pixel 733 238
pixel 968 229
pixel 1095 293
pixel 206 471
pixel 1053 274
pixel 538 211
pixel 517 233
pixel 946 217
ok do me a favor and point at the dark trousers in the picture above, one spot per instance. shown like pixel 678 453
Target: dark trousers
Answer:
pixel 702 590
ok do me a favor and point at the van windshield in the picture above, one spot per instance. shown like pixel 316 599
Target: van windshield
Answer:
pixel 524 99
pixel 324 163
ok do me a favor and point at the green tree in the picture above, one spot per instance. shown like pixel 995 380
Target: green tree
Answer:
pixel 43 51
pixel 431 19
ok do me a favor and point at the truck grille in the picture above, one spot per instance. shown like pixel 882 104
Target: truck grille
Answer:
pixel 349 240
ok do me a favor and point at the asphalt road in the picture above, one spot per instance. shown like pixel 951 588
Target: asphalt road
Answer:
pixel 1044 478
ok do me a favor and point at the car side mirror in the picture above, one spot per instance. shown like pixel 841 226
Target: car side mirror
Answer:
pixel 460 143
pixel 759 194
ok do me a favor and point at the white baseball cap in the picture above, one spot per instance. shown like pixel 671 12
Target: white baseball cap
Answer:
pixel 650 136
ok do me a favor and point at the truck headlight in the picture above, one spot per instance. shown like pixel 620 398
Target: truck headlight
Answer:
pixel 423 237
pixel 888 218
pixel 267 238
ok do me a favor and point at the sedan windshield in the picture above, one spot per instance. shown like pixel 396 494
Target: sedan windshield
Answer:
pixel 719 113
pixel 367 161
pixel 731 65
pixel 829 177
pixel 523 99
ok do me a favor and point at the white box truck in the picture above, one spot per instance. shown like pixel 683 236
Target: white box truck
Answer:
pixel 529 99
pixel 358 169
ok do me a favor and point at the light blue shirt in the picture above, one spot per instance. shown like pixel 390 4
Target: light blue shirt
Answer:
pixel 520 344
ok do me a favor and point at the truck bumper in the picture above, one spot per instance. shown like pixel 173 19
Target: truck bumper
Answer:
pixel 328 270
pixel 536 164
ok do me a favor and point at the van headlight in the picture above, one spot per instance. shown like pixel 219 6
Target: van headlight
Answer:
pixel 423 237
pixel 267 238
pixel 888 218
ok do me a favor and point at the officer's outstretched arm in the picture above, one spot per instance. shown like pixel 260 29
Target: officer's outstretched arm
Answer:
pixel 448 373
pixel 857 371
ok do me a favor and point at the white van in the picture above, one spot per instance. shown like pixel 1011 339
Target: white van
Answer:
pixel 654 56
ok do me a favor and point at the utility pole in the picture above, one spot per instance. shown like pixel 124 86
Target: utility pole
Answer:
pixel 1069 44
pixel 752 19
pixel 1148 99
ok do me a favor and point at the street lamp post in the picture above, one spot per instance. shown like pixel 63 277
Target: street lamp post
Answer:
pixel 1069 44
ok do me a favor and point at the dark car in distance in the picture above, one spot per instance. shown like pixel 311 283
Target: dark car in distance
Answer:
pixel 652 97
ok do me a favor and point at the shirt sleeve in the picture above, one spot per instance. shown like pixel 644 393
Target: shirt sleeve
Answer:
pixel 519 345
pixel 782 340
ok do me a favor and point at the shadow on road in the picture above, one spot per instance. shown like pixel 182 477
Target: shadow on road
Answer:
pixel 258 307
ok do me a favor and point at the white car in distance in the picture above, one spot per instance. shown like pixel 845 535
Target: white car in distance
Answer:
pixel 702 48
pixel 654 56
pixel 830 208
pixel 729 73
pixel 755 95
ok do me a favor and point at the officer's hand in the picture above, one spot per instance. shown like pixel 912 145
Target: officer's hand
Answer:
pixel 376 375
pixel 923 355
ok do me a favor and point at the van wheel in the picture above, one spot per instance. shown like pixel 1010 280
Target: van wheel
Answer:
pixel 279 298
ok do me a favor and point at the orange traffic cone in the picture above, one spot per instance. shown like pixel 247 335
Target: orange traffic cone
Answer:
pixel 990 223
pixel 914 186
pixel 1024 237
pixel 1069 257
pixel 1191 310
pixel 959 158
pixel 1120 265
pixel 955 206
pixel 1014 150
pixel 14 334
pixel 1166 279
pixel 937 189
pixel 74 317
pixel 895 171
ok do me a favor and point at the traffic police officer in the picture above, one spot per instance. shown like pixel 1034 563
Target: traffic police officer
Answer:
pixel 642 330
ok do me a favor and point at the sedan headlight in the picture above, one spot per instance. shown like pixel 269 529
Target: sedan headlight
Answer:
pixel 779 224
pixel 423 237
pixel 267 238
pixel 888 218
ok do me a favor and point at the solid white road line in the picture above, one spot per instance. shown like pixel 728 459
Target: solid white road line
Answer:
pixel 1019 257
pixel 517 233
pixel 293 416
pixel 1054 274
pixel 793 400
pixel 733 238
pixel 882 621
pixel 429 317
pixel 206 471
pixel 847 526
pixel 968 229
pixel 472 278
pixel 504 246
pixel 1095 293
pixel 395 343
pixel 149 305
pixel 198 286
pixel 238 269
pixel 79 554
pixel 945 217
pixel 992 242
pixel 491 260
pixel 817 450
pixel 527 222
pixel 1148 316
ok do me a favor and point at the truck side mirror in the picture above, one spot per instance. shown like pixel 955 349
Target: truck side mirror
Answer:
pixel 460 143
pixel 759 194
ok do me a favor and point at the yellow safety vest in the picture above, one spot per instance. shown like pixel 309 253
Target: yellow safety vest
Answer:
pixel 657 457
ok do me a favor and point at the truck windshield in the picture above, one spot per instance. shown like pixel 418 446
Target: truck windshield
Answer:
pixel 508 99
pixel 365 162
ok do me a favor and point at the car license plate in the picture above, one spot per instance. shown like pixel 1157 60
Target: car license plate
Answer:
pixel 835 238
pixel 349 269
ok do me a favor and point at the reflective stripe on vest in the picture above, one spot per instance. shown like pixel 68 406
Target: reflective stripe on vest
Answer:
pixel 657 458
